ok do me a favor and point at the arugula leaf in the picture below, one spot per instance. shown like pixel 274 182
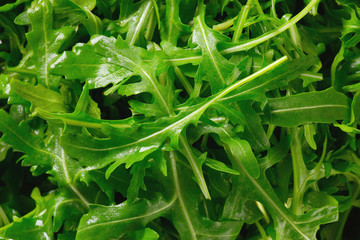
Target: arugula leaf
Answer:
pixel 45 41
pixel 147 138
pixel 40 223
pixel 52 156
pixel 84 63
pixel 320 107
pixel 138 21
pixel 179 119
pixel 179 206
pixel 172 27
pixel 7 7
pixel 39 96
pixel 221 71
pixel 289 225
pixel 272 80
pixel 113 63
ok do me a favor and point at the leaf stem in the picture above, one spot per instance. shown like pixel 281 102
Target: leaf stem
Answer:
pixel 4 219
pixel 263 211
pixel 258 7
pixel 156 10
pixel 299 171
pixel 150 27
pixel 142 21
pixel 254 42
pixel 261 230
pixel 241 21
pixel 218 97
pixel 273 10
pixel 224 25
pixel 183 79
pixel 250 78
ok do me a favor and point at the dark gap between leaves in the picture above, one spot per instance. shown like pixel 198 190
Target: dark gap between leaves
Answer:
pixel 352 230
pixel 113 106
pixel 119 198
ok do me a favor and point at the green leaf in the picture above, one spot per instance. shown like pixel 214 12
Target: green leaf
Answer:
pixel 287 224
pixel 9 6
pixel 50 213
pixel 90 5
pixel 274 79
pixel 39 96
pixel 253 131
pixel 179 119
pixel 52 157
pixel 196 163
pixel 12 34
pixel 219 71
pixel 355 105
pixel 219 166
pixel 125 145
pixel 84 63
pixel 313 107
pixel 186 219
pixel 310 77
pixel 309 132
pixel 138 22
pixel 3 150
pixel 237 147
pixel 121 219
pixel 276 153
pixel 180 205
pixel 133 145
pixel 45 41
pixel 319 199
pixel 117 182
pixel 76 12
pixel 81 115
pixel 179 56
pixel 4 86
pixel 351 33
pixel 37 227
pixel 172 27
pixel 112 63
pixel 20 138
pixel 137 180
pixel 144 234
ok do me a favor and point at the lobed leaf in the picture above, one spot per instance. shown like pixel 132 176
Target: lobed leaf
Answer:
pixel 220 72
pixel 45 41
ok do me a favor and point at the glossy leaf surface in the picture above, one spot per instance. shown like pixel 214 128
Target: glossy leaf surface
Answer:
pixel 179 119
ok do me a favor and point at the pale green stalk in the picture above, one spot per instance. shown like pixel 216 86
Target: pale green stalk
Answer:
pixel 273 33
pixel 242 18
pixel 299 171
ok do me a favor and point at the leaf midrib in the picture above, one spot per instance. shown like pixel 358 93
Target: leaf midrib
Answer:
pixel 51 99
pixel 180 197
pixel 209 50
pixel 171 20
pixel 194 113
pixel 46 46
pixel 140 23
pixel 146 74
pixel 265 195
pixel 172 201
pixel 304 108
pixel 62 161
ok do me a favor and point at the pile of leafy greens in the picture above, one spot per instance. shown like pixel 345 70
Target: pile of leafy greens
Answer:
pixel 179 119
